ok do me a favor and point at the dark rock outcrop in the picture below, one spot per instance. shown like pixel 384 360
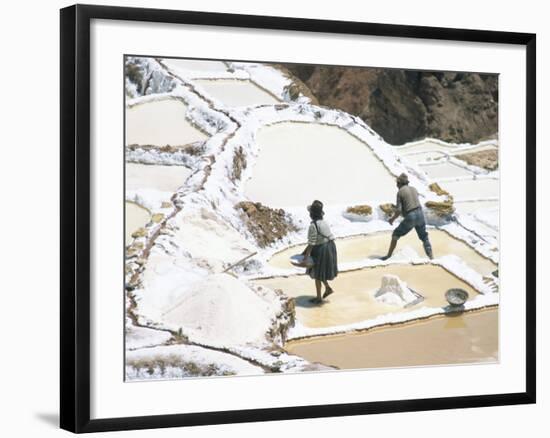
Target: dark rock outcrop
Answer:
pixel 407 105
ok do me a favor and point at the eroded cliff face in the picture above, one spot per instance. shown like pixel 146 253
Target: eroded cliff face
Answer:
pixel 407 105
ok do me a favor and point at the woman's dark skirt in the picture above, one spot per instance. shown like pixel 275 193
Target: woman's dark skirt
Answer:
pixel 326 262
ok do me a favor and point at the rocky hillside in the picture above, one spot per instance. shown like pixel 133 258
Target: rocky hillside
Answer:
pixel 407 105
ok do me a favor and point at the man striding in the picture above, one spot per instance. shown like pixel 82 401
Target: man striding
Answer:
pixel 413 216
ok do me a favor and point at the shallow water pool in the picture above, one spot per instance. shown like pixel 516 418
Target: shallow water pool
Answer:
pixel 353 249
pixel 353 299
pixel 471 337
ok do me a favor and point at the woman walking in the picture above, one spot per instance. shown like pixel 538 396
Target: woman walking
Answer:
pixel 322 249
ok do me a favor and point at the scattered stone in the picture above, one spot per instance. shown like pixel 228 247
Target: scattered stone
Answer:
pixel 143 77
pixel 157 218
pixel 284 321
pixel 141 232
pixel 239 163
pixel 267 225
pixel 132 251
pixel 195 149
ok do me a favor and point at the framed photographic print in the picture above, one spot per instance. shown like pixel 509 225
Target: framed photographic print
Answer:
pixel 271 218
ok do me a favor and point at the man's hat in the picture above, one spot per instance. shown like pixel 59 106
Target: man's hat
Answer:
pixel 403 179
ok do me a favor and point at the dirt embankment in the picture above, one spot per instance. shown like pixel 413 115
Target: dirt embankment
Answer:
pixel 406 105
pixel 486 159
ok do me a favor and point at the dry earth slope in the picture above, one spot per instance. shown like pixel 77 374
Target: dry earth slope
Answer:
pixel 408 105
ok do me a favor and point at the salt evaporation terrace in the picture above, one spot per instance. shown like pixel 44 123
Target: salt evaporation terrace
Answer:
pixel 299 162
pixel 466 207
pixel 357 248
pixel 195 68
pixel 181 285
pixel 475 190
pixel 236 92
pixel 444 170
pixel 160 123
pixel 467 189
pixel 156 177
pixel 353 300
pixel 430 145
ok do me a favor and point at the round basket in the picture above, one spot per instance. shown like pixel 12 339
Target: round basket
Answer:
pixel 298 260
pixel 456 296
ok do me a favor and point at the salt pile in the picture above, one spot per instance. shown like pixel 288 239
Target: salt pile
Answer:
pixel 395 292
pixel 205 236
pixel 221 310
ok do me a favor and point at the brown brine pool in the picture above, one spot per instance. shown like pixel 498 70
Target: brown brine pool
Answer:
pixel 470 337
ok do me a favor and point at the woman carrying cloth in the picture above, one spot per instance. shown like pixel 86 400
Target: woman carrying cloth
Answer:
pixel 322 249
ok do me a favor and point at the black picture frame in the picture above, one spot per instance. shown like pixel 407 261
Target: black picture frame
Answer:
pixel 75 217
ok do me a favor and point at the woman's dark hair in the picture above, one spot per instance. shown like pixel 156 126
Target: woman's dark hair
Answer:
pixel 316 212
